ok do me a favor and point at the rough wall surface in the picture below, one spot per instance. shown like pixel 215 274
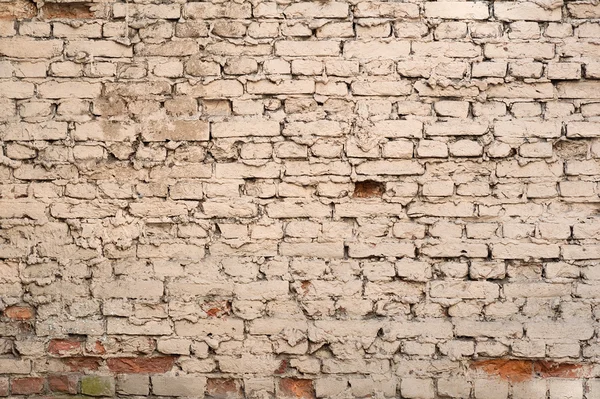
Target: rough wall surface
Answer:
pixel 300 199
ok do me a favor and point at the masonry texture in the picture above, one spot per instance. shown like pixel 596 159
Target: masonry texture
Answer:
pixel 345 199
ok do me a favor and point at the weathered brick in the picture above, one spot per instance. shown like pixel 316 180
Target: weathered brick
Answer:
pixel 176 131
pixel 456 10
pixel 27 385
pixel 528 11
pixel 20 47
pixel 69 90
pixel 245 128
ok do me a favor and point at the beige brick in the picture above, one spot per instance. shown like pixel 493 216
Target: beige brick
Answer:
pixel 316 10
pixel 26 48
pixel 17 90
pixel 528 11
pixel 69 90
pixel 303 49
pixel 128 289
pixel 180 385
pixel 175 131
pixel 381 88
pixel 284 87
pixel 456 10
pixel 376 49
pixel 211 11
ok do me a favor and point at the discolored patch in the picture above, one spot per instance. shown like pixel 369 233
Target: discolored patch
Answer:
pixel 570 149
pixel 82 363
pixel 217 308
pixel 368 189
pixel 66 10
pixel 508 369
pixel 282 367
pixel 522 370
pixel 66 383
pixel 547 369
pixel 19 313
pixel 223 388
pixel 159 364
pixel 18 9
pixel 296 388
pixel 64 347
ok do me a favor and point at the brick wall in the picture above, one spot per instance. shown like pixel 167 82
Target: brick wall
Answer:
pixel 300 199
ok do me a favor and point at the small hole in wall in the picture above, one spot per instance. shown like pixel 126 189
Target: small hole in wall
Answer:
pixel 368 189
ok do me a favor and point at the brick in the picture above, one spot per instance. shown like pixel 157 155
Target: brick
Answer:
pixel 525 251
pixel 69 90
pixel 585 89
pixel 317 128
pixel 316 10
pixel 98 48
pixel 583 129
pixel 129 289
pixel 222 388
pixel 456 10
pixel 522 90
pixel 17 90
pixel 183 385
pixel 26 48
pixel 493 329
pixel 526 129
pixel 378 9
pixel 296 388
pixel 122 326
pixel 527 11
pixel 176 131
pixel 104 131
pixel 210 11
pixel 244 128
pixel 27 385
pixel 446 49
pixel 417 388
pixel 315 49
pixel 397 168
pixel 152 11
pixel 381 88
pixel 135 365
pixel 19 312
pixel 63 347
pixel 459 289
pixel 283 87
pixel 93 385
pixel 65 383
pixel 376 49
pixel 14 366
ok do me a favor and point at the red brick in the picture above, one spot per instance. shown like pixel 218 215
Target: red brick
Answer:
pixel 223 388
pixel 296 388
pixel 82 363
pixel 3 386
pixel 64 347
pixel 160 364
pixel 66 383
pixel 27 385
pixel 19 312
